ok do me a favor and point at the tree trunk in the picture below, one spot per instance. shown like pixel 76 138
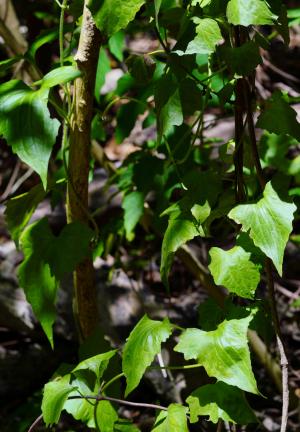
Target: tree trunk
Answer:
pixel 85 306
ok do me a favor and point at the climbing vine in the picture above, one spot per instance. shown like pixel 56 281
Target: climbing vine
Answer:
pixel 179 186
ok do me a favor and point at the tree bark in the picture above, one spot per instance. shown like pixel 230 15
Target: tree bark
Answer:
pixel 85 305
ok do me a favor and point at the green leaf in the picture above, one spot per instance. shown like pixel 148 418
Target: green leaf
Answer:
pixel 172 420
pixel 245 13
pixel 113 15
pixel 179 232
pixel 278 108
pixel 55 396
pixel 186 219
pixel 242 60
pixel 19 210
pixel 141 68
pixel 125 426
pixel 96 364
pixel 274 150
pixel 116 45
pixel 103 68
pixel 35 276
pixel 69 248
pixel 207 38
pixel 106 416
pixel 47 259
pixel 59 76
pixel 81 409
pixel 269 222
pixel 8 63
pixel 220 401
pixel 142 345
pixel 157 5
pixel 201 3
pixel 133 205
pixel 168 105
pixel 26 124
pixel 223 352
pixel 235 271
pixel 46 36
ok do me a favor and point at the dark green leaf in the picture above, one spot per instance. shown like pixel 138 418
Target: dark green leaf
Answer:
pixel 180 231
pixel 20 209
pixel 133 205
pixel 116 45
pixel 142 68
pixel 220 401
pixel 278 108
pixel 69 248
pixel 242 60
pixel 102 69
pixel 168 105
pixel 157 5
pixel 47 259
pixel 26 124
pixel 35 275
pixel 8 63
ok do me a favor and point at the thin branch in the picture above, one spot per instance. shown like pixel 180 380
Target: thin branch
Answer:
pixel 36 422
pixel 120 402
pixel 283 358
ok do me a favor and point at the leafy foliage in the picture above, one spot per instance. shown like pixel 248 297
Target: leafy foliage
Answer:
pixel 26 124
pixel 235 271
pixel 180 182
pixel 224 352
pixel 269 223
pixel 20 209
pixel 106 18
pixel 174 419
pixel 220 401
pixel 47 259
pixel 241 12
pixel 141 347
pixel 277 107
pixel 208 35
pixel 55 396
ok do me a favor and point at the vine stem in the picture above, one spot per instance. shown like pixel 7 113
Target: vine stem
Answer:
pixel 283 358
pixel 268 266
pixel 99 398
pixel 120 401
pixel 117 377
pixel 36 422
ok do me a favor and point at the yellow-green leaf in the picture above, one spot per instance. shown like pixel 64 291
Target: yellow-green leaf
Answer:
pixel 223 352
pixel 143 344
pixel 269 222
